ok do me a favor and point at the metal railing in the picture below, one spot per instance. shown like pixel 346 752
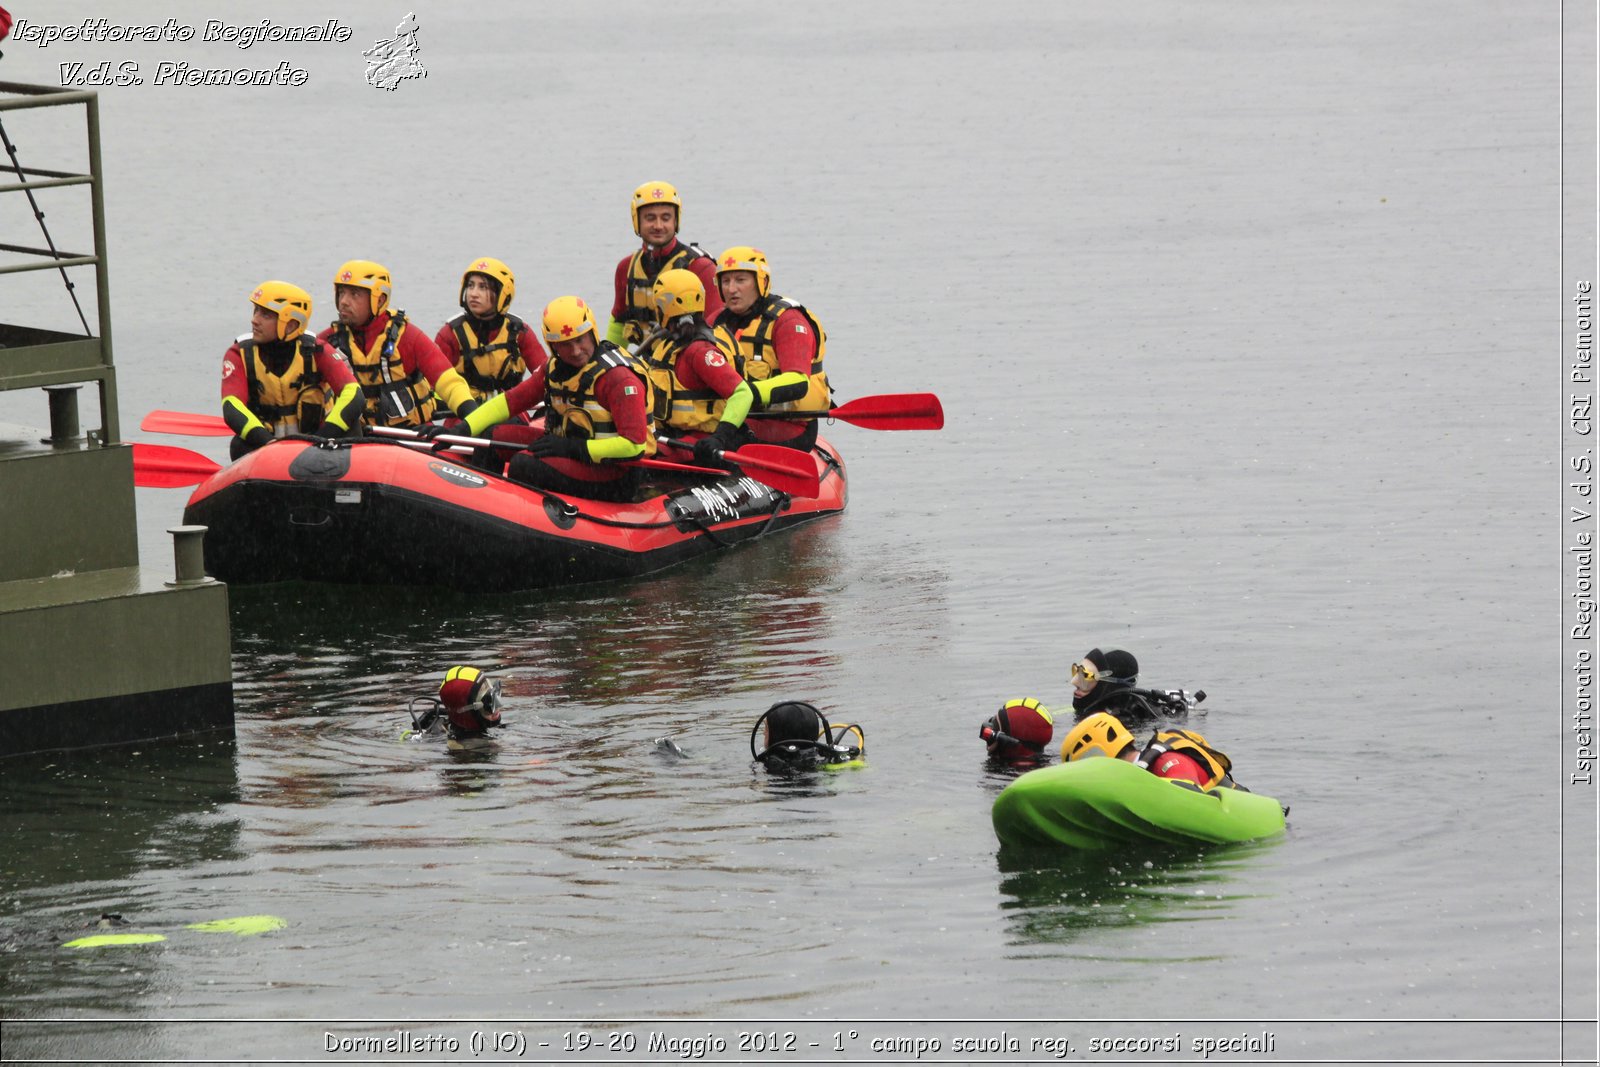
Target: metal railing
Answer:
pixel 32 357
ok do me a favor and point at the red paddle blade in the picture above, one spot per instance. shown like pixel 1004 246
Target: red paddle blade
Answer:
pixel 785 469
pixel 182 422
pixel 165 467
pixel 892 411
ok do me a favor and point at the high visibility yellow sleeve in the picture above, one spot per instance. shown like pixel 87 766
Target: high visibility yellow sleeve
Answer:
pixel 453 389
pixel 617 447
pixel 240 419
pixel 790 385
pixel 491 412
pixel 347 407
pixel 738 405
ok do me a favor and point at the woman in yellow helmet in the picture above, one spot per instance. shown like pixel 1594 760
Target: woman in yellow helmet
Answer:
pixel 488 346
pixel 279 380
pixel 657 212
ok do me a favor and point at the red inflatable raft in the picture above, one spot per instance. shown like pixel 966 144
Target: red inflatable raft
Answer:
pixel 377 513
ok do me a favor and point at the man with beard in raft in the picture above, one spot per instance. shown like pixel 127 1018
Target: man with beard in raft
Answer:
pixel 657 212
pixel 780 347
pixel 398 366
pixel 596 412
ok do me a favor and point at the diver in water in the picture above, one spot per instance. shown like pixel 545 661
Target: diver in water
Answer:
pixel 796 736
pixel 466 709
pixel 1017 734
pixel 1105 681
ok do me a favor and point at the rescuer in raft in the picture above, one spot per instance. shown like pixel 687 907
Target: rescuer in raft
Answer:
pixel 596 411
pixel 489 346
pixel 657 213
pixel 399 368
pixel 279 380
pixel 1018 733
pixel 697 391
pixel 796 736
pixel 468 707
pixel 1182 755
pixel 1104 681
pixel 779 344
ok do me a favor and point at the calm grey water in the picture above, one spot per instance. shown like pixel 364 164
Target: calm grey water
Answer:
pixel 1236 313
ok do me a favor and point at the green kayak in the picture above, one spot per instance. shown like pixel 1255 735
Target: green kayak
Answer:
pixel 1103 803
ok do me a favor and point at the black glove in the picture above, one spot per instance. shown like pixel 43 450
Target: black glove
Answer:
pixel 258 436
pixel 429 430
pixel 467 407
pixel 556 445
pixel 708 451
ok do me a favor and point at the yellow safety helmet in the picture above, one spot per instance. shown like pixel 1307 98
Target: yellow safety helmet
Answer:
pixel 567 317
pixel 656 193
pixel 744 257
pixel 365 274
pixel 677 293
pixel 291 303
pixel 1098 735
pixel 496 272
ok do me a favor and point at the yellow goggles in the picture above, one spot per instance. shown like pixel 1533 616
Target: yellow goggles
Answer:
pixel 1086 671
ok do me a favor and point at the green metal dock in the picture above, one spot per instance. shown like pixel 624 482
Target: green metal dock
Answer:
pixel 94 650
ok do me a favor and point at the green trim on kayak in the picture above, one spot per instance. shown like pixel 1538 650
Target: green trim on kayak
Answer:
pixel 243 925
pixel 106 940
pixel 1101 803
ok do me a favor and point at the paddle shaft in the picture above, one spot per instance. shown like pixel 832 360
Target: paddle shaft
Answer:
pixel 460 444
pixel 166 467
pixel 461 449
pixel 785 469
pixel 886 411
pixel 162 466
